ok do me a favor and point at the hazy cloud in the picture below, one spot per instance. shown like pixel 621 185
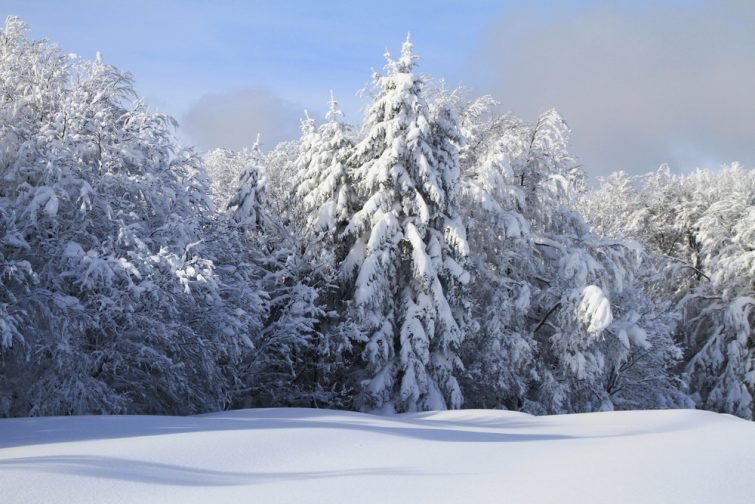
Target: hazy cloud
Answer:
pixel 638 85
pixel 233 119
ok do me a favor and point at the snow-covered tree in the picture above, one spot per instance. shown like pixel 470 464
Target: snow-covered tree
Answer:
pixel 326 185
pixel 720 313
pixel 436 257
pixel 699 228
pixel 106 291
pixel 246 204
pixel 292 362
pixel 410 247
pixel 558 307
pixel 224 168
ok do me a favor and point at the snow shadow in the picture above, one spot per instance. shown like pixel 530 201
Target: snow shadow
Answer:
pixel 472 427
pixel 34 431
pixel 169 474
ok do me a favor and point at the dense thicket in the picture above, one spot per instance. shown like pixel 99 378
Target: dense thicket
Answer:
pixel 111 300
pixel 435 257
pixel 699 230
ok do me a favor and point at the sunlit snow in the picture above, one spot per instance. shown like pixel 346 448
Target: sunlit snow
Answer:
pixel 304 456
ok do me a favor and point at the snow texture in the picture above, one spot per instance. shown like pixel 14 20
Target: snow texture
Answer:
pixel 595 309
pixel 302 455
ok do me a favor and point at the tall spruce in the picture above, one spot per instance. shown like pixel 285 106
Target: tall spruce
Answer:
pixel 410 247
pixel 326 186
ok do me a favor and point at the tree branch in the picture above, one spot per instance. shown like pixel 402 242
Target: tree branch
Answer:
pixel 555 307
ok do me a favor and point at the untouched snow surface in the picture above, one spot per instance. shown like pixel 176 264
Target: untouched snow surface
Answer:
pixel 304 456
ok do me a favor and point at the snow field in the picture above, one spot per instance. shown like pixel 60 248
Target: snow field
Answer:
pixel 300 455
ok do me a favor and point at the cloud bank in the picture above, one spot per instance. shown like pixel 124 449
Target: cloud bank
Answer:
pixel 639 85
pixel 232 120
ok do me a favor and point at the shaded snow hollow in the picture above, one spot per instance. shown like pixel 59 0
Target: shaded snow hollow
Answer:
pixel 307 456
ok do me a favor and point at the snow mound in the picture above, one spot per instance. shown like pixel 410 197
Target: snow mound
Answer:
pixel 595 309
pixel 301 455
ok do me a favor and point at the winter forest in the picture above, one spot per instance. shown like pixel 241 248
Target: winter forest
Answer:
pixel 439 255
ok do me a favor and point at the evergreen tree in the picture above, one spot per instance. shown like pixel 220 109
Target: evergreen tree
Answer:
pixel 326 185
pixel 282 367
pixel 247 203
pixel 224 168
pixel 410 247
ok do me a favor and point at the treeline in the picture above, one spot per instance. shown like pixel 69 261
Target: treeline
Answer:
pixel 434 257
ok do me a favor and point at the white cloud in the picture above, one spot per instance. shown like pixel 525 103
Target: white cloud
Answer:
pixel 233 119
pixel 638 85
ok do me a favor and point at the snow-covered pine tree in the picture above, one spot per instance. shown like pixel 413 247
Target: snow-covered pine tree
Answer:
pixel 281 368
pixel 279 180
pixel 246 204
pixel 304 178
pixel 410 247
pixel 326 185
pixel 326 200
pixel 224 168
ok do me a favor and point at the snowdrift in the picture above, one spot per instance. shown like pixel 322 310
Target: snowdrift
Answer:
pixel 305 456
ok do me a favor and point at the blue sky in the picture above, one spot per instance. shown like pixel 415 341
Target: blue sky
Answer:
pixel 640 82
pixel 297 50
